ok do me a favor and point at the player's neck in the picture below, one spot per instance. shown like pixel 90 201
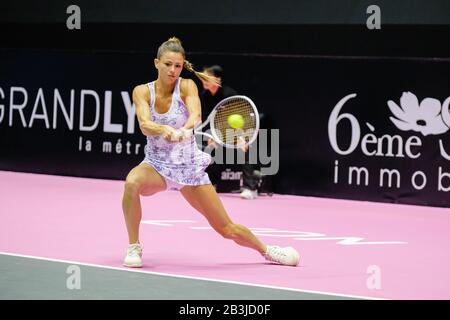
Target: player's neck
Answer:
pixel 163 88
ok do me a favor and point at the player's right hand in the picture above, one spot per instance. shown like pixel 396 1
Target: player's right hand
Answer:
pixel 171 134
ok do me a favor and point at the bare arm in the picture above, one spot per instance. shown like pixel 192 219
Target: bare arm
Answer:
pixel 192 104
pixel 141 98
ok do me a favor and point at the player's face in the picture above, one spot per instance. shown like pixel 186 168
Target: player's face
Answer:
pixel 169 66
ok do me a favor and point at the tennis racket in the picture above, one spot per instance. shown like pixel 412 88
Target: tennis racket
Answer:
pixel 221 130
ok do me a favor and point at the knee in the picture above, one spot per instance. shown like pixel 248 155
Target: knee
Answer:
pixel 229 231
pixel 131 186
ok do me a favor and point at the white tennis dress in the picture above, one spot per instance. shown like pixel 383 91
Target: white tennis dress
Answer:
pixel 180 163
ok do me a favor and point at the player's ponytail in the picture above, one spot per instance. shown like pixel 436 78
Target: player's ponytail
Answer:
pixel 201 75
pixel 174 45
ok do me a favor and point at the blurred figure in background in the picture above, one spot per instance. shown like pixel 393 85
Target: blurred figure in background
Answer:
pixel 211 95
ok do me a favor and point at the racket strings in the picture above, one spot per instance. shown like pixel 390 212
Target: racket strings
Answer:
pixel 231 135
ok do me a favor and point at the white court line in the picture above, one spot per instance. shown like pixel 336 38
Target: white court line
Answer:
pixel 189 277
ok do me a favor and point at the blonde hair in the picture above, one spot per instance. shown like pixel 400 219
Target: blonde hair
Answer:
pixel 174 45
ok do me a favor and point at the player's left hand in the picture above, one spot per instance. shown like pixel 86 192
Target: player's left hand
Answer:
pixel 181 134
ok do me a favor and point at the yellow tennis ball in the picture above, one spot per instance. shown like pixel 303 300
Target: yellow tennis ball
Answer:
pixel 236 121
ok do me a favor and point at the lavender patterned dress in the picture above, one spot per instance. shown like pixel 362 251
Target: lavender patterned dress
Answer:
pixel 181 163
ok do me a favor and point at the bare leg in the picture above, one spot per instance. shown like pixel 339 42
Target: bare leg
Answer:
pixel 204 198
pixel 142 180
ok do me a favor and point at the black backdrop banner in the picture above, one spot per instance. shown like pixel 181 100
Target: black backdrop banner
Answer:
pixel 373 129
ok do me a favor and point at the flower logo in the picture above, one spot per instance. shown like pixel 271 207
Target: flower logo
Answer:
pixel 424 118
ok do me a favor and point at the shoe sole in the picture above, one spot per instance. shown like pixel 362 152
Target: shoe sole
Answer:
pixel 133 265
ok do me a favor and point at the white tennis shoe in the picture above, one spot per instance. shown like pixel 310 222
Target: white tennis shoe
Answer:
pixel 134 256
pixel 249 194
pixel 287 256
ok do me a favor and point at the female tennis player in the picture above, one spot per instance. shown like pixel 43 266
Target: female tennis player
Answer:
pixel 166 108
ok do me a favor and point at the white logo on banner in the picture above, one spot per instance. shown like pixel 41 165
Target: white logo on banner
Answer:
pixel 427 117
